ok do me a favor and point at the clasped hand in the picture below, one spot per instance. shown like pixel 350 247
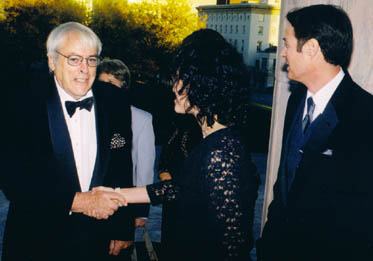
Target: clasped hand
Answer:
pixel 99 203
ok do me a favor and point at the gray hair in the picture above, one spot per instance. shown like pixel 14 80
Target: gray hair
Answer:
pixel 118 69
pixel 58 35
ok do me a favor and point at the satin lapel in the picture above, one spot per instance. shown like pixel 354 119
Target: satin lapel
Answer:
pixel 103 138
pixel 60 138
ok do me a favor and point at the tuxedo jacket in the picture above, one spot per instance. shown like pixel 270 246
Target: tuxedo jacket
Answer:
pixel 324 214
pixel 143 153
pixel 40 178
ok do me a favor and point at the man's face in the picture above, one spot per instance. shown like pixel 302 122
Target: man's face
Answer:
pixel 75 80
pixel 296 61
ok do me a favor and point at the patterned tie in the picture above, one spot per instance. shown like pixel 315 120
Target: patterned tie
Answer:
pixel 84 104
pixel 309 116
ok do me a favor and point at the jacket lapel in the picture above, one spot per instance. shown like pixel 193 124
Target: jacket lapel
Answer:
pixel 60 138
pixel 103 139
pixel 295 107
pixel 322 130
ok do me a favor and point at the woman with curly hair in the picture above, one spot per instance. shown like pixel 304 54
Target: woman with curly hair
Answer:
pixel 215 192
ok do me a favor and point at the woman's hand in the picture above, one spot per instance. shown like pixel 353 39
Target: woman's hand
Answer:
pixel 102 188
pixel 92 212
pixel 164 176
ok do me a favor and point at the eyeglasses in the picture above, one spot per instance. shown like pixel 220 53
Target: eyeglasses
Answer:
pixel 76 60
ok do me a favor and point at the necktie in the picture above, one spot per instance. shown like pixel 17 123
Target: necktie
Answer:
pixel 84 104
pixel 309 115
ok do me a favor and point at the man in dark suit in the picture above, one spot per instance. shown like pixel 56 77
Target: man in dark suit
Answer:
pixel 321 207
pixel 67 134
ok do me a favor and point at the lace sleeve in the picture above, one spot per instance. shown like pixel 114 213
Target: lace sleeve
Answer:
pixel 163 191
pixel 225 205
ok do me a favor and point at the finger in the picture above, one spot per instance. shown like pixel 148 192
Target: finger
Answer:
pixel 113 205
pixel 116 249
pixel 102 188
pixel 118 197
pixel 111 247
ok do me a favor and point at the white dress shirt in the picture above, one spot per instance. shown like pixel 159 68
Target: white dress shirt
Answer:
pixel 82 131
pixel 322 97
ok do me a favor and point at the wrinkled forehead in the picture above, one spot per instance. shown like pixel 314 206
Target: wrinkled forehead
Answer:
pixel 78 43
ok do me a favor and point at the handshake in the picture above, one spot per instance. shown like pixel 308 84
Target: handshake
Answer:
pixel 99 203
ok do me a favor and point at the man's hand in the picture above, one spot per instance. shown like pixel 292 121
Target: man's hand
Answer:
pixel 116 246
pixel 140 222
pixel 98 204
pixel 102 188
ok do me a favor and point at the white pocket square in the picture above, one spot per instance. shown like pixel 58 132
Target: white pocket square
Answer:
pixel 328 152
pixel 117 141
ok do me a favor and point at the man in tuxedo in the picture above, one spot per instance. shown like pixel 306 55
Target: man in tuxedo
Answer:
pixel 66 135
pixel 322 208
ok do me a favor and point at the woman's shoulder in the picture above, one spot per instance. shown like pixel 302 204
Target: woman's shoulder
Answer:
pixel 226 141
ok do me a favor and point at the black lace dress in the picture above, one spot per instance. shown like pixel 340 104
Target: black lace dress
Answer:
pixel 214 197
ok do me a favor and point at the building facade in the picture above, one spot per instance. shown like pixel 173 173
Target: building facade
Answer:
pixel 251 27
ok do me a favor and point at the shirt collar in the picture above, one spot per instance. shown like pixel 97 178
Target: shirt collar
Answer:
pixel 322 97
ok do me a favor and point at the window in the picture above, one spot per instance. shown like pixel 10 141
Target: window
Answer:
pixel 221 29
pixel 231 29
pixel 225 28
pixel 258 46
pixel 261 17
pixel 236 29
pixel 242 45
pixel 260 30
pixel 216 27
pixel 243 29
pixel 264 64
pixel 235 42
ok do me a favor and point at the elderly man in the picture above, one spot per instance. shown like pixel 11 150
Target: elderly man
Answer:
pixel 68 134
pixel 322 207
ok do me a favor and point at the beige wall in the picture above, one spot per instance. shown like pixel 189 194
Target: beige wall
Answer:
pixel 361 70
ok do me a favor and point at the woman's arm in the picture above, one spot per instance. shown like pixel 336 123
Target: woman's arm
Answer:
pixel 157 193
pixel 135 195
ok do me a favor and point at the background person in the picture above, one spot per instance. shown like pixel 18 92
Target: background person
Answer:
pixel 117 73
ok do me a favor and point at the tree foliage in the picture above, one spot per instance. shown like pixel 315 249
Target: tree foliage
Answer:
pixel 27 24
pixel 144 34
pixel 170 20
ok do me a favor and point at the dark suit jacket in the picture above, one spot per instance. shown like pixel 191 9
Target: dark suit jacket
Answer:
pixel 325 214
pixel 40 177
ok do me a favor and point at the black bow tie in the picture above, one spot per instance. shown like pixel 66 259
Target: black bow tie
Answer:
pixel 84 104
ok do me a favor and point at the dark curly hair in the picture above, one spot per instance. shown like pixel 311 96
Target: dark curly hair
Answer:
pixel 214 78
